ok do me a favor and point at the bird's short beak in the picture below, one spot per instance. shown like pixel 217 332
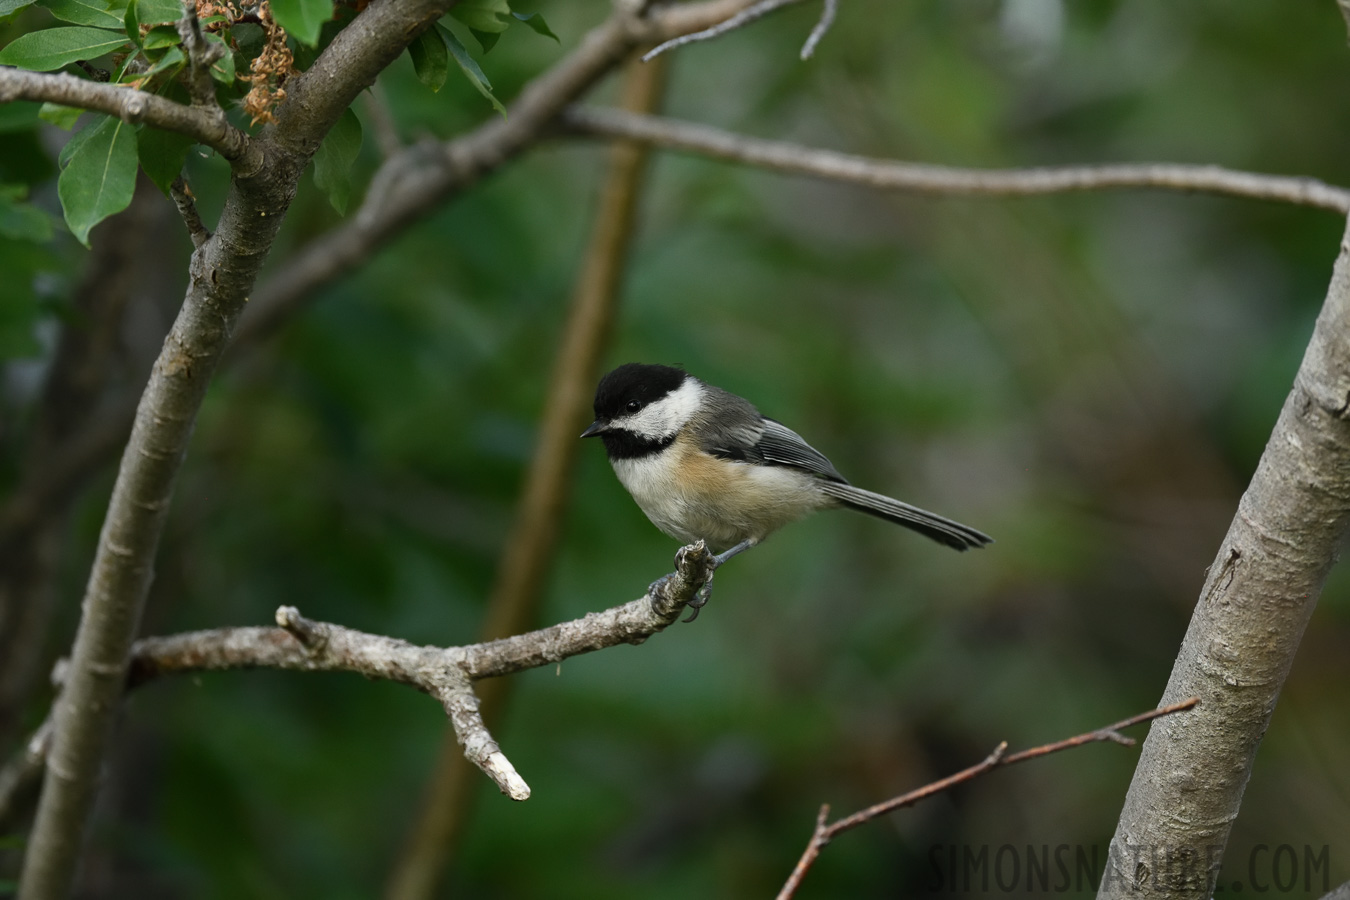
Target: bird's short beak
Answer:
pixel 596 428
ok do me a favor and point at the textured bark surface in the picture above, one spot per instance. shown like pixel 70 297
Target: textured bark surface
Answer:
pixel 1251 615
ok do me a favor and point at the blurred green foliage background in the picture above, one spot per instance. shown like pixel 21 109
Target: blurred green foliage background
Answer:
pixel 1089 378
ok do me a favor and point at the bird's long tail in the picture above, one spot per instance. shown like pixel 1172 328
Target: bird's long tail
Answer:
pixel 939 528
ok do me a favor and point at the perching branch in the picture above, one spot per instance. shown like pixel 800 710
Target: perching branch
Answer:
pixel 446 673
pixel 925 178
pixel 1290 526
pixel 825 833
pixel 530 546
pixel 203 124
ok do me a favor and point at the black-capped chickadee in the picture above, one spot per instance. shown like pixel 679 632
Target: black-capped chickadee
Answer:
pixel 702 462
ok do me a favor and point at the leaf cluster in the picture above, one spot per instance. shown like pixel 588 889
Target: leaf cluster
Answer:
pixel 139 44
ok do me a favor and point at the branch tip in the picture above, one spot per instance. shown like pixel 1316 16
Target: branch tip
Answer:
pixel 500 770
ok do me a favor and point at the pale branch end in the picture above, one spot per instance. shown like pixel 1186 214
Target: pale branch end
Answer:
pixel 445 673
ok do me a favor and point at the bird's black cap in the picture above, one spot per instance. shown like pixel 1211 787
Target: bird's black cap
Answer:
pixel 633 382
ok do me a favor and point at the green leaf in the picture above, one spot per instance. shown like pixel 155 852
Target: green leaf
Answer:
pixel 84 12
pixel 302 19
pixel 8 7
pixel 18 115
pixel 20 220
pixel 486 39
pixel 63 117
pixel 470 68
pixel 430 59
pixel 52 48
pixel 173 59
pixel 222 70
pixel 161 36
pixel 75 143
pixel 333 162
pixel 155 12
pixel 162 155
pixel 493 16
pixel 100 176
pixel 537 24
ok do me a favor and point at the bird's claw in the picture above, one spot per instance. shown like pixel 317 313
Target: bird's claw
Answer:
pixel 699 600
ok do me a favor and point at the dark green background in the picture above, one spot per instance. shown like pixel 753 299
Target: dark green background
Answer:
pixel 1088 378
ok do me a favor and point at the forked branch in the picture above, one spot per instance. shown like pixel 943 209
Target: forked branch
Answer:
pixel 446 673
pixel 827 831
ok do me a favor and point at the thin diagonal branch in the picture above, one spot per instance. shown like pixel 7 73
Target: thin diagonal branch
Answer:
pixel 186 202
pixel 203 125
pixel 741 19
pixel 202 55
pixel 826 831
pixel 925 178
pixel 417 181
pixel 822 27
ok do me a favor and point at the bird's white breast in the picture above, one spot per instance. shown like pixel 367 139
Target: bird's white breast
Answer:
pixel 690 495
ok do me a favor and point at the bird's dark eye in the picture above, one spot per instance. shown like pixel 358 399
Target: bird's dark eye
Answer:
pixel 633 405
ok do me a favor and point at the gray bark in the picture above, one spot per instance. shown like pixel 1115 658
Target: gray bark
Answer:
pixel 1247 625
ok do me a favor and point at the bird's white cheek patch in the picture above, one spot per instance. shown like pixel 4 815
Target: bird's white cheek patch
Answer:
pixel 668 415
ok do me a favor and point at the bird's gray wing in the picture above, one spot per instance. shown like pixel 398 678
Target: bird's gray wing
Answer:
pixel 734 429
pixel 779 445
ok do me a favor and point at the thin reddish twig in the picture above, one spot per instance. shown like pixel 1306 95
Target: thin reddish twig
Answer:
pixel 824 833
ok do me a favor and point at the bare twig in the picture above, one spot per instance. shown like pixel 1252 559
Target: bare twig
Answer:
pixel 826 831
pixel 382 121
pixel 446 673
pixel 529 549
pixel 204 125
pixel 202 55
pixel 924 178
pixel 742 18
pixel 186 201
pixel 826 20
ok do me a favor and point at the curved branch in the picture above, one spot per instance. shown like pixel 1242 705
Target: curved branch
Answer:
pixel 924 178
pixel 446 673
pixel 203 125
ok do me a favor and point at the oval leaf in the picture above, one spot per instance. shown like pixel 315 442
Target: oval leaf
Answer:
pixel 100 176
pixel 333 162
pixel 430 59
pixel 162 155
pixel 470 69
pixel 302 19
pixel 537 24
pixel 156 12
pixel 43 51
pixel 483 15
pixel 84 12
